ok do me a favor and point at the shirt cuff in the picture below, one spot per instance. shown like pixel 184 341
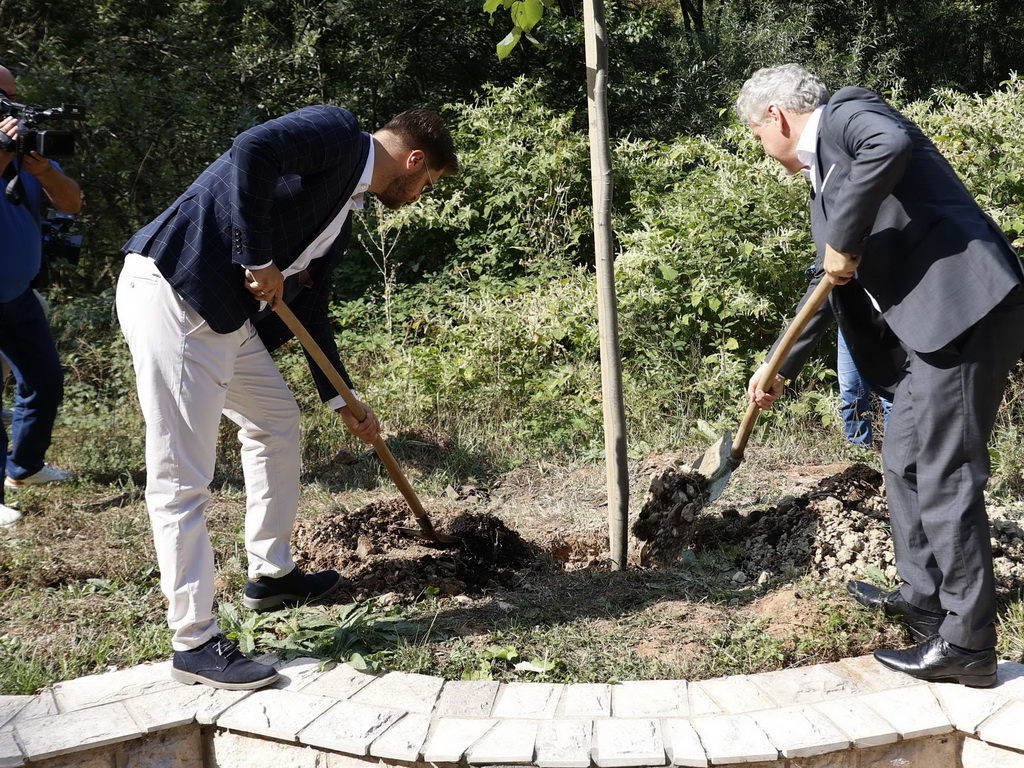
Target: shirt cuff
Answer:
pixel 338 401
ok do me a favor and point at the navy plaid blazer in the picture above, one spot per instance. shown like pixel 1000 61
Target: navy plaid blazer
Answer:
pixel 262 201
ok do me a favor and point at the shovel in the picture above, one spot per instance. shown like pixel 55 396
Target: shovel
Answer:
pixel 426 531
pixel 726 454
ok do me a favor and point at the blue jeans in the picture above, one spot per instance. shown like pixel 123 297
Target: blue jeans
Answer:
pixel 856 398
pixel 27 343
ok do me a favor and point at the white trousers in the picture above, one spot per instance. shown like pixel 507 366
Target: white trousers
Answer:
pixel 187 376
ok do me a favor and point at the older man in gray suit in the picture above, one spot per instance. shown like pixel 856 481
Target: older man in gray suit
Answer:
pixel 928 294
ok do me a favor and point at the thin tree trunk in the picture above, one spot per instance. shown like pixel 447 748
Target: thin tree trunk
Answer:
pixel 617 470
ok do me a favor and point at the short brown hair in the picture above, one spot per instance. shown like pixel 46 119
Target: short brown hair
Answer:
pixel 425 130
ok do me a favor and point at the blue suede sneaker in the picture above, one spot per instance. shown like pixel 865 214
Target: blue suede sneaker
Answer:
pixel 294 587
pixel 219 664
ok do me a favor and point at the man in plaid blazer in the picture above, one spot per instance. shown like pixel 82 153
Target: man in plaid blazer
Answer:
pixel 265 222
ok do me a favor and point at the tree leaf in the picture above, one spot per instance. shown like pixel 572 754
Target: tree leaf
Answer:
pixel 509 42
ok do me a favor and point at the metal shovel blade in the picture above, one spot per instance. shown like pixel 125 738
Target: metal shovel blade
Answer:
pixel 716 465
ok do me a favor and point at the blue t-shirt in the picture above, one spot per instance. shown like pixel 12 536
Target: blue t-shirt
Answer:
pixel 21 244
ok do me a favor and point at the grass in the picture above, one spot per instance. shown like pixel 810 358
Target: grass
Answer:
pixel 79 590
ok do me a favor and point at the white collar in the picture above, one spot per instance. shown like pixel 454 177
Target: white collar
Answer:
pixel 807 146
pixel 364 180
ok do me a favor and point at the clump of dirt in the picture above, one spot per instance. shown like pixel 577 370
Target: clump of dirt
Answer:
pixel 369 548
pixel 839 530
pixel 671 507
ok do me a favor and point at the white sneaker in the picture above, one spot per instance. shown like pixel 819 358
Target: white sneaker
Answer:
pixel 47 474
pixel 8 516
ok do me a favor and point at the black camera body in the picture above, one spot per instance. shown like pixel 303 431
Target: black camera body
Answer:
pixel 60 241
pixel 47 143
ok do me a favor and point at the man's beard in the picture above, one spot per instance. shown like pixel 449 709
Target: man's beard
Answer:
pixel 399 191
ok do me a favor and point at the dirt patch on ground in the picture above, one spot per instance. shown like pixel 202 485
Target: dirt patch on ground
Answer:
pixel 376 549
pixel 836 530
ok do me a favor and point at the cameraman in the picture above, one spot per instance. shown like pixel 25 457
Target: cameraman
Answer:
pixel 25 337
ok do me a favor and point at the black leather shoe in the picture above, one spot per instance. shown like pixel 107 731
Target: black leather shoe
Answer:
pixel 921 623
pixel 937 661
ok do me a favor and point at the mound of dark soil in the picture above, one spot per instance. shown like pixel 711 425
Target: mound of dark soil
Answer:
pixel 369 547
pixel 669 514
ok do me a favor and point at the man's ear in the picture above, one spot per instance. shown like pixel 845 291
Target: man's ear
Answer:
pixel 778 114
pixel 415 159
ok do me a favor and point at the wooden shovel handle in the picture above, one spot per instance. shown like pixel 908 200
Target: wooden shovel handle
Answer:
pixel 807 311
pixel 388 459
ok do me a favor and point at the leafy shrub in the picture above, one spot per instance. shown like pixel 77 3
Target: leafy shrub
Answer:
pixel 496 344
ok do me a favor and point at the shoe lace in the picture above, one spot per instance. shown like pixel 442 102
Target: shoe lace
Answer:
pixel 224 647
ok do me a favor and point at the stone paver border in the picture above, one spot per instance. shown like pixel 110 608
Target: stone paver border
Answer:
pixel 851 713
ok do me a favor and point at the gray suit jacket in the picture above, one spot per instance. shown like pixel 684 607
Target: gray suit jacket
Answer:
pixel 933 261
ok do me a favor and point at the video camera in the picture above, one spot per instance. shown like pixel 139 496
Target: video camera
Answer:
pixel 30 137
pixel 62 248
pixel 60 242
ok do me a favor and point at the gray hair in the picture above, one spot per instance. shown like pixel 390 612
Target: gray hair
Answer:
pixel 790 86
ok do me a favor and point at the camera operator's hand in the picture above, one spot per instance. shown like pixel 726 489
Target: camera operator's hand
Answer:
pixel 33 162
pixel 266 284
pixel 36 164
pixel 63 191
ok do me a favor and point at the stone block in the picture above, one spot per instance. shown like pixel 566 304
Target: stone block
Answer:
pixel 978 754
pixel 534 701
pixel 650 698
pixel 403 740
pixel 402 690
pixel 466 698
pixel 804 685
pixel 298 673
pixel 586 700
pixel 1010 683
pixel 734 739
pixel 39 705
pixel 211 703
pixel 1006 727
pixel 863 726
pixel 632 742
pixel 913 711
pixel 867 675
pixel 11 706
pixel 349 727
pixel 509 742
pixel 452 736
pixel 847 759
pixel 800 731
pixel 334 760
pixel 701 704
pixel 966 707
pixel 683 744
pixel 565 743
pixel 234 750
pixel 171 708
pixel 10 753
pixel 276 714
pixel 54 735
pixel 340 682
pixel 172 748
pixel 931 752
pixel 736 694
pixel 108 687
